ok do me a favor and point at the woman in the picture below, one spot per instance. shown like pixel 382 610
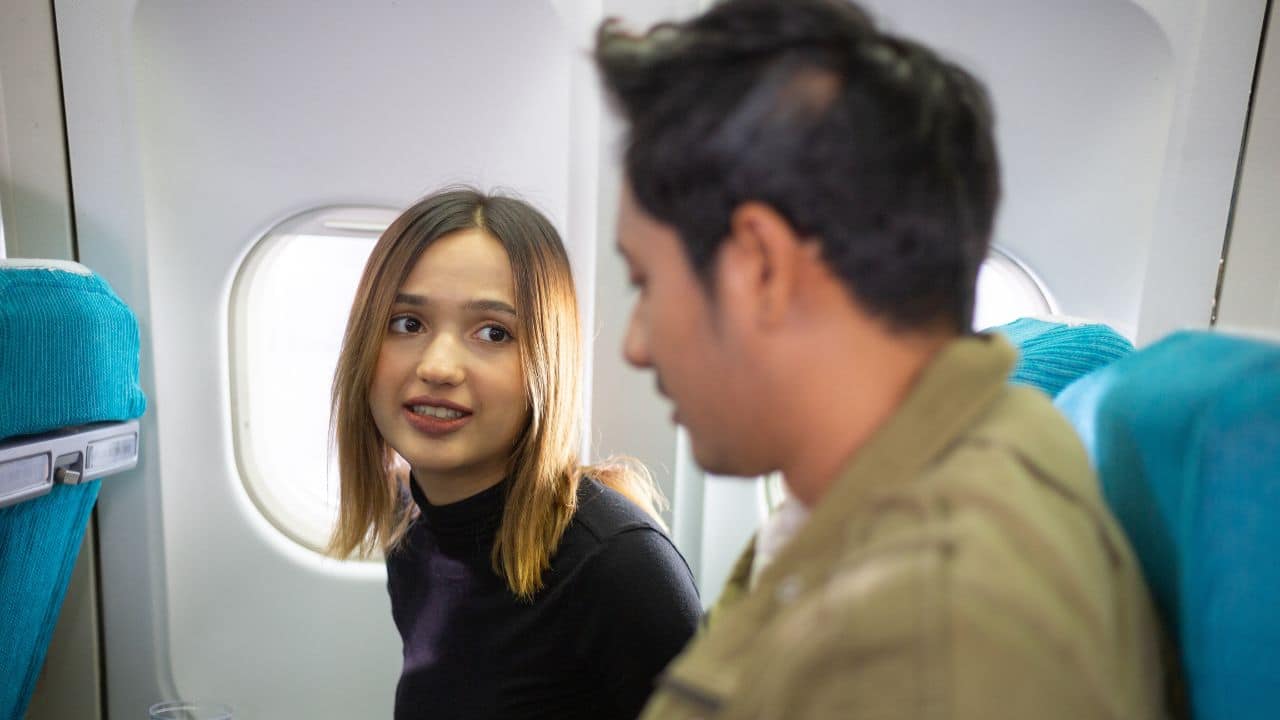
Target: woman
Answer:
pixel 523 584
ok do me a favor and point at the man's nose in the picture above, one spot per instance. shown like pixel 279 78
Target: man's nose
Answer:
pixel 635 345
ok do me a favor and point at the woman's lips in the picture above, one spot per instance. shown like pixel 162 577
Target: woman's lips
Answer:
pixel 434 426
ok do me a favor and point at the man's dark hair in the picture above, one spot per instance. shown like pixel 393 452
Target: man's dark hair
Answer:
pixel 870 144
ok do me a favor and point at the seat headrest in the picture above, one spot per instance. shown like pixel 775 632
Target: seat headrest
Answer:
pixel 1185 436
pixel 1054 353
pixel 69 349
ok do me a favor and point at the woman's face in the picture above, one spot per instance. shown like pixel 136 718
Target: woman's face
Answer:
pixel 448 391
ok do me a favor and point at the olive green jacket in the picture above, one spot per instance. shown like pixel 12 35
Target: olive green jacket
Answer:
pixel 962 566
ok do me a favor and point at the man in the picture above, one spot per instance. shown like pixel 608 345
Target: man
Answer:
pixel 806 205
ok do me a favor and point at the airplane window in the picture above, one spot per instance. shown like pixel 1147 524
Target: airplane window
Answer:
pixel 1007 290
pixel 287 312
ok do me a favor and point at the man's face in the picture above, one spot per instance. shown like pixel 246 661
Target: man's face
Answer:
pixel 678 331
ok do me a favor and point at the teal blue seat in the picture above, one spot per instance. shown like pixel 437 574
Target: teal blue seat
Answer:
pixel 68 357
pixel 1051 355
pixel 1185 436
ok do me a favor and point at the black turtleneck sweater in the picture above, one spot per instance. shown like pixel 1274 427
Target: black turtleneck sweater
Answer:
pixel 617 604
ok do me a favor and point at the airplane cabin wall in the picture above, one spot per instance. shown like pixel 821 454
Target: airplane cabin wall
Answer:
pixel 33 157
pixel 628 416
pixel 35 222
pixel 1250 292
pixel 192 130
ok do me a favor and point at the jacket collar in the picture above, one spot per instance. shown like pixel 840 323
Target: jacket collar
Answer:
pixel 952 392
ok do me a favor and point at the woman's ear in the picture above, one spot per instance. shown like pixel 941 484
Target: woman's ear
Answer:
pixel 761 263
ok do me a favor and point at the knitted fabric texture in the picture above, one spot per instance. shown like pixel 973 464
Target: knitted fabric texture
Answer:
pixel 68 356
pixel 1053 355
pixel 39 542
pixel 68 352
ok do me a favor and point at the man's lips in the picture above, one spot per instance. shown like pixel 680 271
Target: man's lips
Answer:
pixel 675 411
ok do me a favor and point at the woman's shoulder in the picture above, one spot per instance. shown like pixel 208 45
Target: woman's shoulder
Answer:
pixel 628 566
pixel 617 547
pixel 604 513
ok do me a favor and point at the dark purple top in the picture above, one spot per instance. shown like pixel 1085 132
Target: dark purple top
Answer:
pixel 618 603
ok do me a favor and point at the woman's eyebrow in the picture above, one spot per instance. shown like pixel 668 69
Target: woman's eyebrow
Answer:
pixel 490 306
pixel 497 306
pixel 407 299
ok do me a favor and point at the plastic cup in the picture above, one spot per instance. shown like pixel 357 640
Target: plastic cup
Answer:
pixel 181 710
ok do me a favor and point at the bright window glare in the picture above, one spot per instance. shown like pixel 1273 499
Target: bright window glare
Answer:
pixel 289 308
pixel 1007 291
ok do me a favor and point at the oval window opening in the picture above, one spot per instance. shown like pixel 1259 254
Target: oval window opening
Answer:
pixel 287 311
pixel 1008 290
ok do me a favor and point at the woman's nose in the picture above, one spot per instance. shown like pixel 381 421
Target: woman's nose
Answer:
pixel 441 362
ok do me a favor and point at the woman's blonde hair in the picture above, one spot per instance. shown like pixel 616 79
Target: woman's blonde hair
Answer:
pixel 544 467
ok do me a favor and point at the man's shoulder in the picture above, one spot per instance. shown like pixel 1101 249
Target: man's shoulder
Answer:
pixel 1025 420
pixel 1005 533
pixel 1016 486
pixel 1010 510
pixel 1022 455
pixel 940 587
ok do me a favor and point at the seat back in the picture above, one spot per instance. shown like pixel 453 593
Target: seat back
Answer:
pixel 68 357
pixel 1185 436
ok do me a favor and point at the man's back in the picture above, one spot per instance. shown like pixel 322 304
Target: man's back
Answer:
pixel 963 566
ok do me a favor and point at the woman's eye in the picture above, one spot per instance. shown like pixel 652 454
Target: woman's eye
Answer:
pixel 405 325
pixel 494 334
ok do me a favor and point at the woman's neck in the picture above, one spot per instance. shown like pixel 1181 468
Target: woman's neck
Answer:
pixel 449 488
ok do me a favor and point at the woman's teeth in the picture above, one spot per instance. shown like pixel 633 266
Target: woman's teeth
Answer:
pixel 436 412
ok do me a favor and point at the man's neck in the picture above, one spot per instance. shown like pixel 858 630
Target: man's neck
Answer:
pixel 842 404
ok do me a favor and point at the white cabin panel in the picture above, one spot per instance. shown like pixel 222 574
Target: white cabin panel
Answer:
pixel 194 128
pixel 1250 292
pixel 1118 126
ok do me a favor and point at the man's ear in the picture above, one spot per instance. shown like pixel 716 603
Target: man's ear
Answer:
pixel 761 262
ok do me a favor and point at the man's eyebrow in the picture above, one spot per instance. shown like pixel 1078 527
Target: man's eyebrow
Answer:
pixel 497 306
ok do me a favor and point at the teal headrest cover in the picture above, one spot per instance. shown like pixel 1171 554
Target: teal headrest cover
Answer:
pixel 68 356
pixel 1053 355
pixel 68 352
